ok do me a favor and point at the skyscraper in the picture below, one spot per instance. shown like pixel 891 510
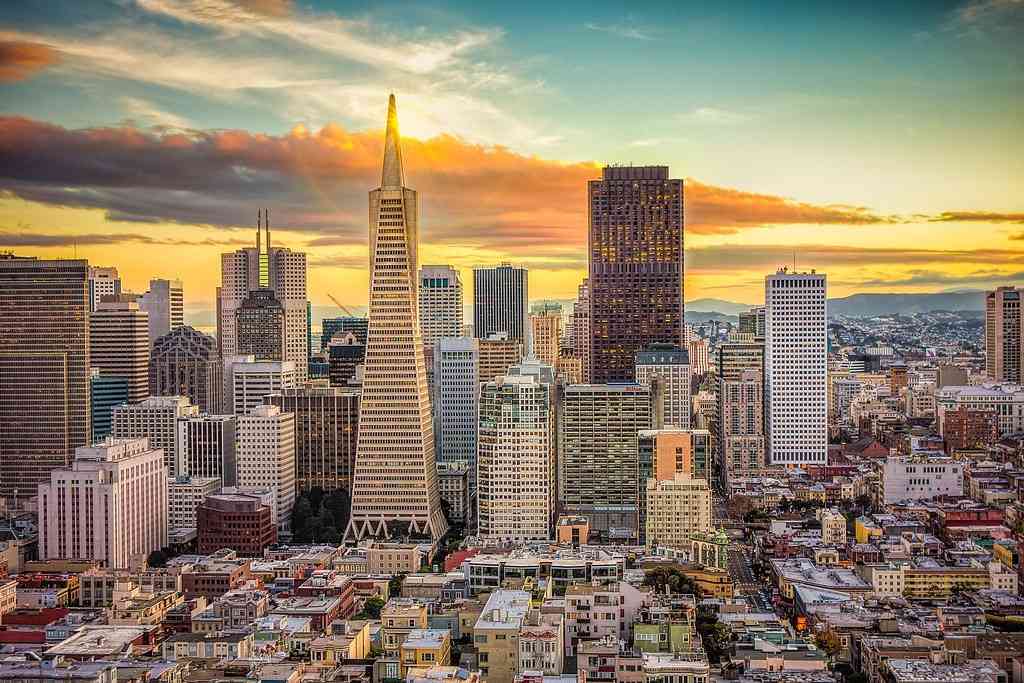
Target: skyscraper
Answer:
pixel 664 453
pixel 156 418
pixel 185 362
pixel 252 380
pixel 102 282
pixel 516 468
pixel 500 299
pixel 395 477
pixel 260 329
pixel 326 426
pixel 1004 354
pixel 636 267
pixel 119 342
pixel 440 302
pixel 579 336
pixel 106 393
pixel 795 368
pixel 456 388
pixel 206 447
pixel 278 269
pixel 668 367
pixel 741 419
pixel 265 456
pixel 497 355
pixel 752 321
pixel 165 304
pixel 44 369
pixel 597 456
pixel 546 328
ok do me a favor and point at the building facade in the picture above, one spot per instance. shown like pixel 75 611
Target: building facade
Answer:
pixel 440 303
pixel 254 380
pixel 395 478
pixel 456 389
pixel 185 362
pixel 102 282
pixel 106 393
pixel 497 354
pixel 1003 327
pixel 677 509
pixel 119 343
pixel 666 369
pixel 546 328
pixel 184 496
pixel 795 369
pixel 206 448
pixel 265 456
pixel 44 369
pixel 156 418
pixel 110 506
pixel 260 326
pixel 164 303
pixel 741 424
pixel 240 521
pixel 500 300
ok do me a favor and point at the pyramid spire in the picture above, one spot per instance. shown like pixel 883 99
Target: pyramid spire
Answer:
pixel 392 173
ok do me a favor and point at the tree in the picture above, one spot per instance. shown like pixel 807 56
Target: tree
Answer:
pixel 157 558
pixel 395 584
pixel 302 514
pixel 371 609
pixel 828 641
pixel 674 579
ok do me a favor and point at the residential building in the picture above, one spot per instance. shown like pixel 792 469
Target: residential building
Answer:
pixel 253 380
pixel 546 328
pixel 440 303
pixel 833 526
pixel 456 389
pixel 965 429
pixel 1003 327
pixel 44 368
pixel 741 425
pixel 185 494
pixel 677 509
pixel 636 267
pixel 500 299
pixel 920 478
pixel 395 477
pixel 276 268
pixel 666 368
pixel 102 282
pixel 106 393
pixel 119 343
pixel 206 447
pixel 497 353
pixel 265 456
pixel 240 521
pixel 516 454
pixel 579 334
pixel 185 362
pixel 110 506
pixel 598 426
pixel 542 643
pixel 700 358
pixel 164 303
pixel 796 404
pixel 496 634
pixel 398 618
pixel 326 427
pixel 156 418
pixel 425 647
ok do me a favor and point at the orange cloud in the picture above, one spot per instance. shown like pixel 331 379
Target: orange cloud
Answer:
pixel 20 60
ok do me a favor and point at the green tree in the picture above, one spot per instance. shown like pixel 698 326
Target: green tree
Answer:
pixel 395 584
pixel 302 515
pixel 371 609
pixel 674 579
pixel 828 641
pixel 157 558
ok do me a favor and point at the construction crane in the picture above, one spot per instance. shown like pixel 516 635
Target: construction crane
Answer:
pixel 342 306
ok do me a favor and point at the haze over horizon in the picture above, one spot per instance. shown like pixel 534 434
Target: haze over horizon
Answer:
pixel 860 137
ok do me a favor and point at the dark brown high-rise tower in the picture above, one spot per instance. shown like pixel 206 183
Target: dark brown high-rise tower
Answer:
pixel 636 267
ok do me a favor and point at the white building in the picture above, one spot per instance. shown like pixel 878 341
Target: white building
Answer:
pixel 1007 400
pixel 700 362
pixel 440 303
pixel 110 506
pixel 833 527
pixel 920 478
pixel 266 456
pixel 842 391
pixel 102 282
pixel 156 418
pixel 185 495
pixel 456 389
pixel 671 367
pixel 795 354
pixel 677 509
pixel 283 271
pixel 165 304
pixel 252 380
pixel 206 447
pixel 119 344
pixel 516 455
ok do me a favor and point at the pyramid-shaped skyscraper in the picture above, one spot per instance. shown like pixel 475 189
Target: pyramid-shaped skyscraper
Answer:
pixel 395 477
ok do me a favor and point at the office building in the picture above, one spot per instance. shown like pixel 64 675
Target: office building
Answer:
pixel 332 326
pixel 598 426
pixel 346 354
pixel 265 456
pixel 915 477
pixel 252 380
pixel 105 394
pixel 700 362
pixel 795 369
pixel 1003 350
pixel 243 522
pixel 546 328
pixel 156 419
pixel 516 467
pixel 109 506
pixel 44 369
pixel 185 362
pixel 326 427
pixel 752 321
pixel 440 303
pixel 206 448
pixel 965 429
pixel 395 475
pixel 677 509
pixel 184 496
pixel 456 388
pixel 636 267
pixel 579 335
pixel 733 358
pixel 281 270
pixel 741 439
pixel 119 343
pixel 500 299
pixel 666 369
pixel 260 326
pixel 663 453
pixel 497 354
pixel 102 282
pixel 164 302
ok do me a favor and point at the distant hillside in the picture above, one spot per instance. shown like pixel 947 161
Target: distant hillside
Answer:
pixel 716 306
pixel 884 304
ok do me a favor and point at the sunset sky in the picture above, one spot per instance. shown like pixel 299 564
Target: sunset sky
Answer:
pixel 883 143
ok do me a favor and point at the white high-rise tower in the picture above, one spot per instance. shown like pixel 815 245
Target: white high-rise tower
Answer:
pixel 395 480
pixel 795 368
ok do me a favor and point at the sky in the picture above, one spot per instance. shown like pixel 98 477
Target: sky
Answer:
pixel 880 143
